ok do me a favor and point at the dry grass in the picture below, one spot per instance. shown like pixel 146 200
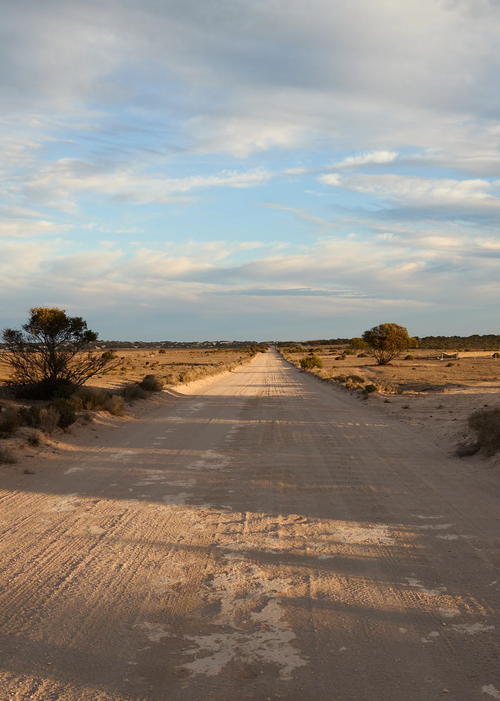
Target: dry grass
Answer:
pixel 414 375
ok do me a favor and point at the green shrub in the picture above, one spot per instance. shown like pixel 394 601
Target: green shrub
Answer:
pixel 370 388
pixel 485 426
pixel 410 357
pixel 312 361
pixel 115 405
pixel 90 398
pixel 9 423
pixel 66 411
pixel 152 383
pixel 162 351
pixel 356 379
pixel 48 419
pixel 30 416
pixel 363 355
pixel 134 392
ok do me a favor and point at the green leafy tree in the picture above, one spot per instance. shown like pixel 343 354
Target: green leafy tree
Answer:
pixel 50 355
pixel 357 344
pixel 387 341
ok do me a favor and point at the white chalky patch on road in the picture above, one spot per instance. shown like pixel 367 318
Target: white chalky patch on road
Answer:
pixel 164 585
pixel 67 503
pixel 154 631
pixel 97 530
pixel 472 628
pixel 123 455
pixel 74 469
pixel 176 499
pixel 412 582
pixel 429 518
pixel 449 613
pixel 210 460
pixel 434 527
pixel 270 642
pixel 352 534
pixel 491 690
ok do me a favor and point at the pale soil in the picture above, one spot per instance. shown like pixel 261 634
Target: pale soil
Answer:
pixel 264 536
pixel 133 365
pixel 427 394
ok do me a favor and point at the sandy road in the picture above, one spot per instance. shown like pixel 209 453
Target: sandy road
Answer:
pixel 266 538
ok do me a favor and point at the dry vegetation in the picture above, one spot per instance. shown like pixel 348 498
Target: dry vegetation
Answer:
pixel 139 374
pixel 437 395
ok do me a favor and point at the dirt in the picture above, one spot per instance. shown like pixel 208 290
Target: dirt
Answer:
pixel 261 536
pixel 434 396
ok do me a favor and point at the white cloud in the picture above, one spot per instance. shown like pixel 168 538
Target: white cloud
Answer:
pixel 369 158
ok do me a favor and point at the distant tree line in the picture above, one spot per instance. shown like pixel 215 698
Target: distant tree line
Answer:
pixel 474 342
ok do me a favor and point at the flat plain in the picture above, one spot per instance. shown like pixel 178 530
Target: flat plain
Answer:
pixel 261 535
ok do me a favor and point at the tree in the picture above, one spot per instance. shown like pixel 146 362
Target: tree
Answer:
pixel 387 341
pixel 357 344
pixel 50 355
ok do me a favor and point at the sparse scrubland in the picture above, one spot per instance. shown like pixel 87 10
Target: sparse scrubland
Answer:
pixel 453 400
pixel 54 375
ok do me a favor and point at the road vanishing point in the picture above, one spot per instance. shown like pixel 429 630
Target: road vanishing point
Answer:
pixel 265 537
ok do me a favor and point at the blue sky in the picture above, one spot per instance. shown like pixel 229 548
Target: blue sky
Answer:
pixel 251 170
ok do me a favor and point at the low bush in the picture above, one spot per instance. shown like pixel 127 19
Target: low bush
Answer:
pixel 312 361
pixel 152 383
pixel 370 388
pixel 9 423
pixel 6 457
pixel 114 405
pixel 29 416
pixel 48 419
pixel 134 392
pixel 66 411
pixel 485 427
pixel 363 355
pixel 90 398
pixel 410 357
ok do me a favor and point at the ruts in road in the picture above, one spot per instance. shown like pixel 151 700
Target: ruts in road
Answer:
pixel 266 537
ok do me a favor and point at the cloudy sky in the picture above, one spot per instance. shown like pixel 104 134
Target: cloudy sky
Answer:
pixel 251 169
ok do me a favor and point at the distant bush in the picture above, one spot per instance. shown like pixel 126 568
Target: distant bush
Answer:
pixel 363 355
pixel 9 423
pixel 134 392
pixel 312 361
pixel 485 426
pixel 152 383
pixel 370 388
pixel 410 357
pixel 162 351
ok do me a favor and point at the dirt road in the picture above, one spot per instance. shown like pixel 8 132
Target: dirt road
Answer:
pixel 268 537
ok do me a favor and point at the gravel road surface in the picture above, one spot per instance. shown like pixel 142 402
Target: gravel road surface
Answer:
pixel 267 537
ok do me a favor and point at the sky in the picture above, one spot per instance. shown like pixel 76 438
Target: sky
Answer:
pixel 251 169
